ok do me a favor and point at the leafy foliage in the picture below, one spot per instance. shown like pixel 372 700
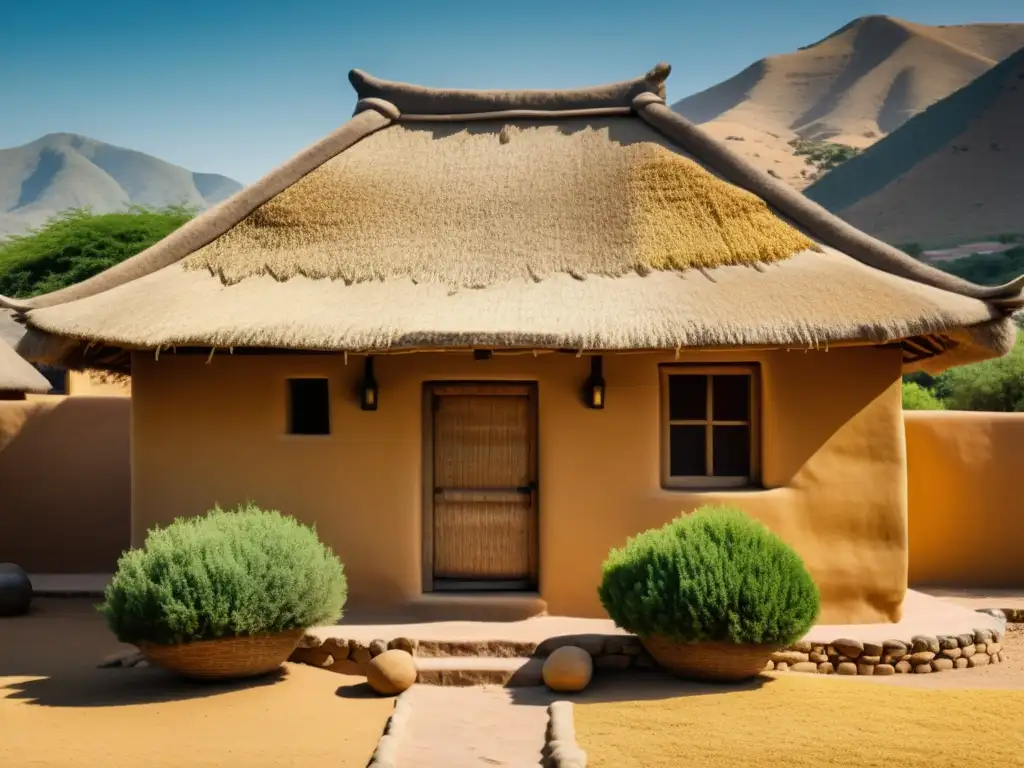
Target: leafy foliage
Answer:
pixel 992 385
pixel 714 575
pixel 919 398
pixel 987 268
pixel 238 572
pixel 823 155
pixel 75 245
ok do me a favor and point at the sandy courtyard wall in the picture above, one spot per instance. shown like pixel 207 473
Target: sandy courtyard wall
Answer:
pixel 966 474
pixel 65 484
pixel 833 463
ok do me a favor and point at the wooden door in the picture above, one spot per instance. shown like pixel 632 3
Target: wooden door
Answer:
pixel 483 489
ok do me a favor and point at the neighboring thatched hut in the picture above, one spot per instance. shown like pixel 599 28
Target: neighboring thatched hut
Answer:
pixel 17 376
pixel 615 318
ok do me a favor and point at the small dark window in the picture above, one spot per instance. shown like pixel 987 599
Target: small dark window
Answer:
pixel 709 426
pixel 309 407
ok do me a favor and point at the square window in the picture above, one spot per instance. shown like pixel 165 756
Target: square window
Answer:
pixel 709 426
pixel 309 409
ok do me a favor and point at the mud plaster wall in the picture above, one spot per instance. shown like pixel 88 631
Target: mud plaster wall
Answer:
pixel 65 485
pixel 967 519
pixel 833 463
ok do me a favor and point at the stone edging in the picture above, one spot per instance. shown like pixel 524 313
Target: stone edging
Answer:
pixel 561 748
pixel 845 656
pixel 922 654
pixel 386 753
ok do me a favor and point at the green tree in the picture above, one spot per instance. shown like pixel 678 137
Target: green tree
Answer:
pixel 77 244
pixel 993 385
pixel 918 398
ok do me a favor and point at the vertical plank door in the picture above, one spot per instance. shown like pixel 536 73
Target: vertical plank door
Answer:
pixel 484 502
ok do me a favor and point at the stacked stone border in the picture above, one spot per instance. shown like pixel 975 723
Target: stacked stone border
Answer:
pixel 561 749
pixel 386 753
pixel 920 655
pixel 845 656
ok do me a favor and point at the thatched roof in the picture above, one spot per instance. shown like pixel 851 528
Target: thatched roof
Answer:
pixel 594 219
pixel 16 373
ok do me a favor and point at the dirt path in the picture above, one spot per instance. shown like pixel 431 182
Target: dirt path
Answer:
pixel 474 727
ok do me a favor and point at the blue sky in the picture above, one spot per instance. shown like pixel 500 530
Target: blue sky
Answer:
pixel 238 87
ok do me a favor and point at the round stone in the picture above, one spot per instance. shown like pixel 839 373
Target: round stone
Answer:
pixel 15 590
pixel 804 666
pixel 942 664
pixel 903 667
pixel 568 669
pixel 847 668
pixel 924 643
pixel 781 666
pixel 391 672
pixel 884 670
pixel 960 663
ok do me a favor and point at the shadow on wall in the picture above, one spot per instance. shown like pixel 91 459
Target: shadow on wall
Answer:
pixel 65 474
pixel 964 489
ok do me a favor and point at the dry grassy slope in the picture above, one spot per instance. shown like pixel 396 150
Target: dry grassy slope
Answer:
pixel 65 170
pixel 853 87
pixel 952 174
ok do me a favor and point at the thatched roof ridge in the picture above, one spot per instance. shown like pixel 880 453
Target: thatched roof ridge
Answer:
pixel 331 252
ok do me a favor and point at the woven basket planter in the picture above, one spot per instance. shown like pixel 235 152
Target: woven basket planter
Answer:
pixel 717 662
pixel 228 658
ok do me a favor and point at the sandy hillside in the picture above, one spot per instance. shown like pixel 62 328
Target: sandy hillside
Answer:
pixel 854 87
pixel 951 175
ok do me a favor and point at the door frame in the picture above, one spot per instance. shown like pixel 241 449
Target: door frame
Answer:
pixel 433 389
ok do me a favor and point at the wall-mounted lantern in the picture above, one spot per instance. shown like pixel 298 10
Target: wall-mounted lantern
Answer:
pixel 368 388
pixel 593 390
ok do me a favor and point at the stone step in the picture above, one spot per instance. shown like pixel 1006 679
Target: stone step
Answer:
pixel 479 670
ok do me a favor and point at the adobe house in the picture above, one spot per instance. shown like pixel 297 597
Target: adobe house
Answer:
pixel 481 337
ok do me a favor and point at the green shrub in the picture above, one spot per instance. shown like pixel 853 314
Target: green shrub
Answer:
pixel 713 576
pixel 240 572
pixel 918 398
pixel 991 385
pixel 75 245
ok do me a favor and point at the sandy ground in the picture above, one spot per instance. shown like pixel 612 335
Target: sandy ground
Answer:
pixel 57 709
pixel 473 727
pixel 799 721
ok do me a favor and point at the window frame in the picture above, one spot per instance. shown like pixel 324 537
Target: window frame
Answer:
pixel 289 410
pixel 710 482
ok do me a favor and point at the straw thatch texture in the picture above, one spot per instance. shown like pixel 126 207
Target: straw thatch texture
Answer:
pixel 810 298
pixel 423 223
pixel 497 201
pixel 17 374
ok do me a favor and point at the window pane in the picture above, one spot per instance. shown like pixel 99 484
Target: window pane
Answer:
pixel 309 407
pixel 731 446
pixel 730 398
pixel 687 397
pixel 687 451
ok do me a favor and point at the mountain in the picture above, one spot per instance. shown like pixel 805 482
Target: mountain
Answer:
pixel 854 87
pixel 950 175
pixel 65 170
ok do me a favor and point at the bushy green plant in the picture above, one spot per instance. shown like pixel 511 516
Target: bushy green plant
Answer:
pixel 918 398
pixel 712 576
pixel 244 571
pixel 992 385
pixel 77 244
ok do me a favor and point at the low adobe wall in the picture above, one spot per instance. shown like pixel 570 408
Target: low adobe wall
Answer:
pixel 965 474
pixel 66 483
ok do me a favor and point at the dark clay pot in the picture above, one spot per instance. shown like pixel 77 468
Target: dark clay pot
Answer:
pixel 15 590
